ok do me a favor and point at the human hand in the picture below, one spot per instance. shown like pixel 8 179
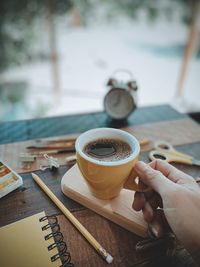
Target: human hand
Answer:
pixel 178 196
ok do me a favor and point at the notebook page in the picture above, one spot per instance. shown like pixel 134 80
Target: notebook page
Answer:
pixel 22 244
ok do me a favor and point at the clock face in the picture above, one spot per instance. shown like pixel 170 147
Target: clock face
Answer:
pixel 119 103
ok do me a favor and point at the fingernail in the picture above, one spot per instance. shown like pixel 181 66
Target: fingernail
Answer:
pixel 139 166
pixel 153 231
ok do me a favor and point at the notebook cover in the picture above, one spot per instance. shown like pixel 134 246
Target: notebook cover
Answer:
pixel 22 244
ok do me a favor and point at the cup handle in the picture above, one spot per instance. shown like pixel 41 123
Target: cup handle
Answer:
pixel 131 184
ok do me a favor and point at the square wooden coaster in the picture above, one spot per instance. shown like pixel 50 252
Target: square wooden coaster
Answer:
pixel 119 210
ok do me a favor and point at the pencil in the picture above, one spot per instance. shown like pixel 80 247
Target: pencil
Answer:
pixel 73 220
pixel 144 142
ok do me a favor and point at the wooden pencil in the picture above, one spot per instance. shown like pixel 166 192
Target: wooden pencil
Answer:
pixel 73 220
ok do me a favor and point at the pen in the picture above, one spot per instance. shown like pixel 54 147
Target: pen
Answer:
pixel 106 256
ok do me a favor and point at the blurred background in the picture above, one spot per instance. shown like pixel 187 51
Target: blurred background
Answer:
pixel 56 56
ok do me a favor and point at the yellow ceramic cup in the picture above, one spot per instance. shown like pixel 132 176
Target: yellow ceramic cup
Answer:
pixel 106 178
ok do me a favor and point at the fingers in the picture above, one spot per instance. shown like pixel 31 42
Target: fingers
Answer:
pixel 171 172
pixel 156 226
pixel 141 198
pixel 152 217
pixel 140 204
pixel 139 201
pixel 153 178
pixel 148 212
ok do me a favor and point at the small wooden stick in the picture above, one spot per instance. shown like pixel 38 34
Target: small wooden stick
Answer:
pixel 144 142
pixel 71 159
pixel 73 220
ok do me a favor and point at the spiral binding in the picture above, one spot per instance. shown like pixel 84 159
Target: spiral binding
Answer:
pixel 62 254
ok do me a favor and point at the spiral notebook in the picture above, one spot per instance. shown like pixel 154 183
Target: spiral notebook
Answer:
pixel 33 241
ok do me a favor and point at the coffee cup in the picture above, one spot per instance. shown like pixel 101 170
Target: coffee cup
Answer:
pixel 107 174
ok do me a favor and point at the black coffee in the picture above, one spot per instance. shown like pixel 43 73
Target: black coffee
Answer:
pixel 106 149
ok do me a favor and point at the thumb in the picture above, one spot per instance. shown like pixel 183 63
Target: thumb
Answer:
pixel 153 178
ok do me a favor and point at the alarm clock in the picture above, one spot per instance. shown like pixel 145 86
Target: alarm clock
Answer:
pixel 121 98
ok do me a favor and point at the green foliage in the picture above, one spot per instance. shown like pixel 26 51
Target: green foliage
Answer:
pixel 154 8
pixel 16 22
pixel 17 19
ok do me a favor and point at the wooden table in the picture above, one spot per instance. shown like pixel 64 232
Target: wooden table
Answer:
pixel 13 131
pixel 29 199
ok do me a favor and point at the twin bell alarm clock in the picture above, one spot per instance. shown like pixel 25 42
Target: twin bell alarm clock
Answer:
pixel 121 98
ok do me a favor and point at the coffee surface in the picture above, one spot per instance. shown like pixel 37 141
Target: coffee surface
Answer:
pixel 106 149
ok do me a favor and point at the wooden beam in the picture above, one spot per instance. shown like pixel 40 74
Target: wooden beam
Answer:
pixel 190 47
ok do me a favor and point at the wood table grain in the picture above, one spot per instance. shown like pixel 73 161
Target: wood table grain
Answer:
pixel 29 199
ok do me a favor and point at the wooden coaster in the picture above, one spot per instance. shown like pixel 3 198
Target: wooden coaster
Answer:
pixel 118 210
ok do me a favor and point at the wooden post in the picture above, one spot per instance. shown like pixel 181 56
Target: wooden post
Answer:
pixel 76 17
pixel 190 46
pixel 53 51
